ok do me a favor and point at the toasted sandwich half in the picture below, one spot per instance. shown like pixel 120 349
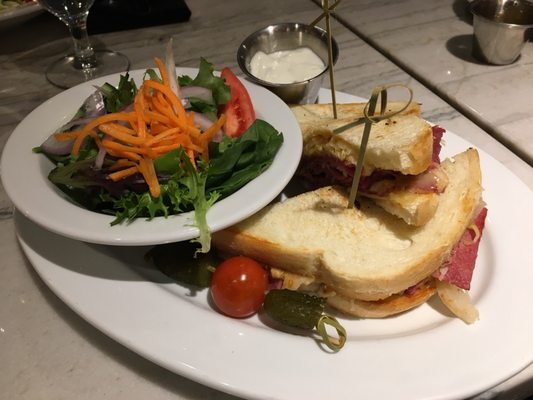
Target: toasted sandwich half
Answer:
pixel 367 262
pixel 401 171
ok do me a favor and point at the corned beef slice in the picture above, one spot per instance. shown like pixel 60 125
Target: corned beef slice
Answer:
pixel 460 267
pixel 437 146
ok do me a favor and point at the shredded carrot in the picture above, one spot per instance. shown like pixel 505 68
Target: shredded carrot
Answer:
pixel 162 71
pixel 190 153
pixel 175 102
pixel 163 135
pixel 158 124
pixel 119 116
pixel 123 128
pixel 110 144
pixel 139 105
pixel 146 166
pixel 123 173
pixel 169 147
pixel 80 138
pixel 157 118
pixel 67 135
pixel 208 135
pixel 124 154
pixel 113 131
pixel 210 132
pixel 121 163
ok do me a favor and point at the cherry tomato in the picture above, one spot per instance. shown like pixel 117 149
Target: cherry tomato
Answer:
pixel 239 110
pixel 238 286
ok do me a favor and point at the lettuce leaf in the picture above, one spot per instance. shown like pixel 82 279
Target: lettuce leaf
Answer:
pixel 235 162
pixel 206 79
pixel 116 98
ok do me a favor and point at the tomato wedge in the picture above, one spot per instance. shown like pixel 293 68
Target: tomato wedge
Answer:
pixel 239 110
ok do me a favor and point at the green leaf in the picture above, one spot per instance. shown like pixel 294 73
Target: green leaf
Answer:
pixel 184 191
pixel 169 163
pixel 204 107
pixel 152 75
pixel 116 98
pixel 184 80
pixel 72 174
pixel 52 157
pixel 136 205
pixel 235 162
pixel 206 79
pixel 195 180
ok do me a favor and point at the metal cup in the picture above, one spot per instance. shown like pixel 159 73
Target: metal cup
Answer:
pixel 500 29
pixel 288 36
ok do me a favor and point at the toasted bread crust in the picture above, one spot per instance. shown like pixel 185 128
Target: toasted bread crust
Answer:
pixel 364 254
pixel 392 305
pixel 414 208
pixel 346 111
pixel 301 261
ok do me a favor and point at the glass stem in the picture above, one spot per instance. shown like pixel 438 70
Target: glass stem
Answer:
pixel 84 57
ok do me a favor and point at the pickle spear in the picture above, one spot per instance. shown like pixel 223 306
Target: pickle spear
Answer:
pixel 303 311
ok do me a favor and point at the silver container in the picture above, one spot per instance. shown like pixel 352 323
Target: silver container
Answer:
pixel 500 29
pixel 288 36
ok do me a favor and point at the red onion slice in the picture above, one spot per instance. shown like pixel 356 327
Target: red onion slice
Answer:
pixel 197 92
pixel 57 147
pixel 100 157
pixel 92 107
pixel 204 122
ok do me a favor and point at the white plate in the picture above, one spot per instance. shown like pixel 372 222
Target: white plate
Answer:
pixel 17 15
pixel 24 175
pixel 422 354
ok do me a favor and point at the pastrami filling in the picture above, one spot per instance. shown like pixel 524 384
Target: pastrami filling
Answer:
pixel 323 170
pixel 458 270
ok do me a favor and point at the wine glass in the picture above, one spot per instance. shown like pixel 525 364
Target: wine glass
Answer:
pixel 86 63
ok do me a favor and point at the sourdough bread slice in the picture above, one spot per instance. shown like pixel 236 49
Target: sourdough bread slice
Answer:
pixel 403 143
pixel 361 254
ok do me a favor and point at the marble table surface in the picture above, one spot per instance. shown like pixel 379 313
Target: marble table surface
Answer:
pixel 432 41
pixel 48 351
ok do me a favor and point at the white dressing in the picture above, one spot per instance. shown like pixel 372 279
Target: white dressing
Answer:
pixel 287 66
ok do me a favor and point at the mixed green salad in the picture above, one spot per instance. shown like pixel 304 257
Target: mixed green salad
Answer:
pixel 171 145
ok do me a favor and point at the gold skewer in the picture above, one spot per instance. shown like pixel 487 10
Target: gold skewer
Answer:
pixel 369 119
pixel 325 7
pixel 364 141
pixel 321 17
